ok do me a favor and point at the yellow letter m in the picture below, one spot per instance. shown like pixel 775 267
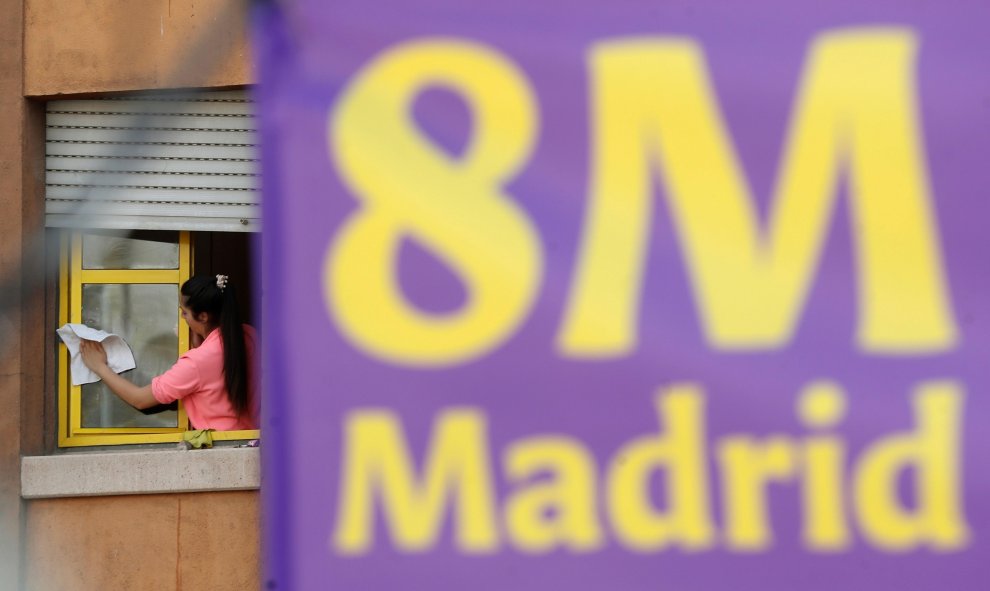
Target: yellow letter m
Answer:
pixel 377 466
pixel 855 114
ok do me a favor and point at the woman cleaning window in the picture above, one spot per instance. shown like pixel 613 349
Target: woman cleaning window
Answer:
pixel 216 380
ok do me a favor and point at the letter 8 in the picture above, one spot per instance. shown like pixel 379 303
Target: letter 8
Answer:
pixel 455 208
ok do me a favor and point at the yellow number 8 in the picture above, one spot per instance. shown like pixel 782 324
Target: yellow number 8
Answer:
pixel 455 208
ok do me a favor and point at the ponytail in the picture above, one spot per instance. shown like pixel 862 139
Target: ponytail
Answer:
pixel 217 298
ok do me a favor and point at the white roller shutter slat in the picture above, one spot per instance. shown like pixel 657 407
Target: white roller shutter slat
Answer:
pixel 141 179
pixel 171 136
pixel 242 107
pixel 152 150
pixel 122 222
pixel 162 165
pixel 105 194
pixel 153 162
pixel 100 208
pixel 150 121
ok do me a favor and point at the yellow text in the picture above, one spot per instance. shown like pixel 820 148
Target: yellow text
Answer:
pixel 560 498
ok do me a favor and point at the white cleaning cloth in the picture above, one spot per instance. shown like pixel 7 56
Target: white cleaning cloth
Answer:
pixel 119 355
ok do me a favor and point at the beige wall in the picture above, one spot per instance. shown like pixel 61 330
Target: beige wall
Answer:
pixel 191 541
pixel 21 310
pixel 76 46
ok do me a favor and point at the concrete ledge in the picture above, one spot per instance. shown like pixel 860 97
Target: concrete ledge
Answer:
pixel 140 472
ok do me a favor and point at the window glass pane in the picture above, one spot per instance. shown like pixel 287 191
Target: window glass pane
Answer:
pixel 148 319
pixel 136 250
pixel 102 409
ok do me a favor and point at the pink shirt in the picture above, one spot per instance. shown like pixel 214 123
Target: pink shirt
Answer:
pixel 197 379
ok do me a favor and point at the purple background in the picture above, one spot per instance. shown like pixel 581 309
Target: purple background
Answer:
pixel 309 50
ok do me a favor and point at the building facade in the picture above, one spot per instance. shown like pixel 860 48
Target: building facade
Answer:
pixel 98 515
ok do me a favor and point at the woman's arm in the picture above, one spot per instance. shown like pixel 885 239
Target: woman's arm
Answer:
pixel 95 359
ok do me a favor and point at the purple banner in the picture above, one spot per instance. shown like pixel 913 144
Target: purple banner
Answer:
pixel 626 295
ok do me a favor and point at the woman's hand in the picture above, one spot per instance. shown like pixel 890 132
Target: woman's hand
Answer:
pixel 95 358
pixel 93 354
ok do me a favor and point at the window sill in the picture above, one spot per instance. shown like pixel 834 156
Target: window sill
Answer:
pixel 140 472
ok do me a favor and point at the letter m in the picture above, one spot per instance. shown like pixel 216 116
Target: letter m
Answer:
pixel 377 466
pixel 855 113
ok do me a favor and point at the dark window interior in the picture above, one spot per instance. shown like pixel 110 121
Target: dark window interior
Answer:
pixel 229 253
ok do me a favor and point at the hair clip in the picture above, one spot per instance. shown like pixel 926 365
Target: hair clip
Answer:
pixel 221 282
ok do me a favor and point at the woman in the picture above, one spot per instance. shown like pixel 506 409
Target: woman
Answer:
pixel 216 380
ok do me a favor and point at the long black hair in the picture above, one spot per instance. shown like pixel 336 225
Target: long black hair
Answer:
pixel 216 297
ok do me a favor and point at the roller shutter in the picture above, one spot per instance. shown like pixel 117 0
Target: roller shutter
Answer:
pixel 166 161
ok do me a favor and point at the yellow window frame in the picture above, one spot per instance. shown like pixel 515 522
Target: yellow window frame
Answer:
pixel 72 276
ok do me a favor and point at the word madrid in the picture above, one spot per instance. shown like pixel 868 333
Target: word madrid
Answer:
pixel 556 488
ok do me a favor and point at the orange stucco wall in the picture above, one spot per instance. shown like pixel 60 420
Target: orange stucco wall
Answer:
pixel 93 46
pixel 190 541
pixel 21 309
pixel 50 48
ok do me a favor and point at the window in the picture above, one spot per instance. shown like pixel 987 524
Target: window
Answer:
pixel 127 284
pixel 150 188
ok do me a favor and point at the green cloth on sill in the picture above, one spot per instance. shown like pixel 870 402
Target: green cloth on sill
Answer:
pixel 199 438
